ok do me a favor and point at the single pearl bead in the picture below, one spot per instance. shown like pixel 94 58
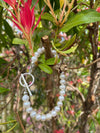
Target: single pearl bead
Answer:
pixel 62 81
pixel 62 76
pixel 57 109
pixel 48 116
pixel 62 92
pixel 62 73
pixel 62 87
pixel 38 117
pixel 25 98
pixel 33 114
pixel 29 110
pixel 39 51
pixel 54 52
pixel 53 113
pixel 26 104
pixel 37 54
pixel 43 49
pixel 59 103
pixel 34 59
pixel 25 93
pixel 61 98
pixel 55 55
pixel 43 117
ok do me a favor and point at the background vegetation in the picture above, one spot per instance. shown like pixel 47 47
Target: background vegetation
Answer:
pixel 77 42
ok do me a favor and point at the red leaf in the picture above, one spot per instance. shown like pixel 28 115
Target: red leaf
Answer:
pixel 29 2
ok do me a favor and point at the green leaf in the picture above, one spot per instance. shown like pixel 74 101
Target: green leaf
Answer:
pixel 45 68
pixel 19 41
pixel 8 29
pixel 2 4
pixel 58 44
pixel 69 42
pixel 71 50
pixel 2 61
pixel 98 115
pixel 84 17
pixel 3 90
pixel 41 2
pixel 51 61
pixel 42 59
pixel 47 16
pixel 2 38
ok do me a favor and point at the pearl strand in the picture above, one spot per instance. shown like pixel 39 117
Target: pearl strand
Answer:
pixel 37 55
pixel 53 112
pixel 25 98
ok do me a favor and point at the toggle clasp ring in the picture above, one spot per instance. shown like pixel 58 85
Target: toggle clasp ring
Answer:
pixel 25 83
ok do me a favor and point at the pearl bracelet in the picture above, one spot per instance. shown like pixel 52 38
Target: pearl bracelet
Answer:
pixel 37 55
pixel 25 98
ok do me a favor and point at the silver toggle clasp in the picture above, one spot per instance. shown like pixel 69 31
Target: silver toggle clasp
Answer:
pixel 25 83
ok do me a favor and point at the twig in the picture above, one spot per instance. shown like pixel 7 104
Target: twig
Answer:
pixel 19 120
pixel 76 89
pixel 6 104
pixel 8 65
pixel 84 66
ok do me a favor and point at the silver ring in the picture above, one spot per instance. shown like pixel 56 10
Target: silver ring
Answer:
pixel 20 79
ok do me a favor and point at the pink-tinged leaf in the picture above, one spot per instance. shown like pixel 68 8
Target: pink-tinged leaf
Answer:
pixel 22 19
pixel 33 17
pixel 14 19
pixel 36 24
pixel 11 2
pixel 38 21
pixel 12 15
pixel 15 23
pixel 8 2
pixel 29 2
pixel 14 2
pixel 26 17
pixel 22 1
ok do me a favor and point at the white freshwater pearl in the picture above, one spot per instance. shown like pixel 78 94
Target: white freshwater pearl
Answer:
pixel 53 113
pixel 62 76
pixel 26 104
pixel 29 110
pixel 38 117
pixel 59 103
pixel 62 87
pixel 62 81
pixel 61 98
pixel 43 49
pixel 57 109
pixel 48 116
pixel 25 98
pixel 34 59
pixel 33 114
pixel 37 54
pixel 54 52
pixel 39 51
pixel 62 92
pixel 43 117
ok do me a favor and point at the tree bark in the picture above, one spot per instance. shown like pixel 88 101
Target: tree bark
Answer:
pixel 88 104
